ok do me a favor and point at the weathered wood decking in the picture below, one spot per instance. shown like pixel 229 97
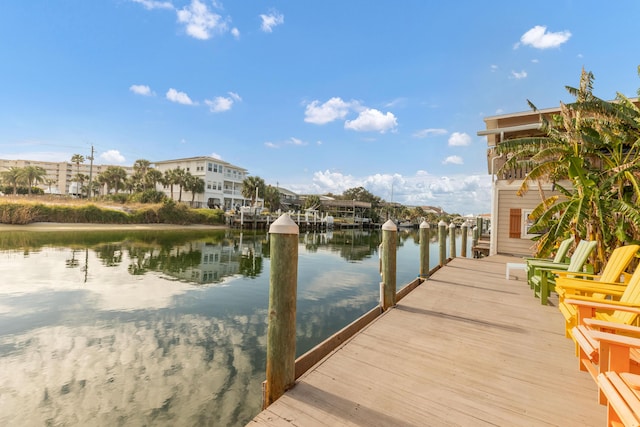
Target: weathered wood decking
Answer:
pixel 465 348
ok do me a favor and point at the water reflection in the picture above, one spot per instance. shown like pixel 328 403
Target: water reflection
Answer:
pixel 162 328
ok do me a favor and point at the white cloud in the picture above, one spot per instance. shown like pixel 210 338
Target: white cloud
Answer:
pixel 199 21
pixel 424 133
pixel 494 68
pixel 296 141
pixel 515 75
pixel 143 90
pixel 453 160
pixel 179 97
pixel 539 38
pixel 271 20
pixel 271 145
pixel 152 4
pixel 459 139
pixel 235 33
pixel 221 103
pixel 320 114
pixel 215 156
pixel 112 156
pixel 372 120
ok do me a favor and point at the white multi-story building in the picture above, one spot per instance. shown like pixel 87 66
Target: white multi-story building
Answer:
pixel 222 181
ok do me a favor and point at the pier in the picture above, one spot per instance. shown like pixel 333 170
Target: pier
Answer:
pixel 466 347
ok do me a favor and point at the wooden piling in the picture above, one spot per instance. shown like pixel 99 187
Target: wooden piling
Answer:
pixel 424 250
pixel 389 244
pixel 452 240
pixel 465 232
pixel 281 332
pixel 442 242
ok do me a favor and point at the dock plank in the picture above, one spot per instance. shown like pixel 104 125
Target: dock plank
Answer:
pixel 465 348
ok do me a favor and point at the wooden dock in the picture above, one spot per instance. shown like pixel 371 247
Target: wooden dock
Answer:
pixel 465 348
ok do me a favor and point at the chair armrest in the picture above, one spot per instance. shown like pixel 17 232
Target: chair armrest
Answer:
pixel 599 304
pixel 563 274
pixel 611 326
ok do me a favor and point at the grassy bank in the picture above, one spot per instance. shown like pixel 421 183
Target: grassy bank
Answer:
pixel 30 210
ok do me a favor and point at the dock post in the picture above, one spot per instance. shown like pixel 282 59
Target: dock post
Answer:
pixel 281 331
pixel 463 249
pixel 389 244
pixel 424 250
pixel 442 242
pixel 452 240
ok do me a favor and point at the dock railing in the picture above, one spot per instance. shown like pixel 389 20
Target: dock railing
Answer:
pixel 283 369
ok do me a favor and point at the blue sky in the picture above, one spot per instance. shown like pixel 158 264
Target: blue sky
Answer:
pixel 313 96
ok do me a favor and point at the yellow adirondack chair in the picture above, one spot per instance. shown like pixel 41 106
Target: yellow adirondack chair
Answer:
pixel 606 285
pixel 544 279
pixel 559 262
pixel 625 311
pixel 588 284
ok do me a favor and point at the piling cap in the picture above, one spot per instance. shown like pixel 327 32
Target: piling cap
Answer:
pixel 442 223
pixel 452 225
pixel 284 225
pixel 424 224
pixel 389 226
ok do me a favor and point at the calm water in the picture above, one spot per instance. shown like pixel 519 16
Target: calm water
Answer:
pixel 164 328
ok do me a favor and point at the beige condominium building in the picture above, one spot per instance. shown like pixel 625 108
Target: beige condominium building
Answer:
pixel 222 181
pixel 60 175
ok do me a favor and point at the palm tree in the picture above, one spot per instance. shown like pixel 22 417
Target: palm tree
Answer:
pixel 152 178
pixel 170 179
pixel 114 176
pixel 80 179
pixel 180 179
pixel 272 198
pixel 77 159
pixel 249 186
pixel 140 168
pixel 594 145
pixel 33 175
pixel 49 182
pixel 12 177
pixel 193 184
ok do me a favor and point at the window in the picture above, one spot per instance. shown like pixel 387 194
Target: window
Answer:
pixel 210 167
pixel 527 223
pixel 520 223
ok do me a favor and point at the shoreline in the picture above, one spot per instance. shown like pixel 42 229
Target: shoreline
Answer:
pixel 63 226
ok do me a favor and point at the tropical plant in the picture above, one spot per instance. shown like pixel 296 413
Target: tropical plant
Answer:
pixel 12 177
pixel 33 175
pixel 252 185
pixel 169 179
pixel 272 198
pixel 140 169
pixel 77 159
pixel 195 185
pixel 595 146
pixel 49 182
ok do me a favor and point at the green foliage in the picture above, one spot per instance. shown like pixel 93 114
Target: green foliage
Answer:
pixel 169 213
pixel 595 145
pixel 151 196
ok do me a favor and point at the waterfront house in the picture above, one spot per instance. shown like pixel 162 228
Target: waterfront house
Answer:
pixel 509 212
pixel 222 181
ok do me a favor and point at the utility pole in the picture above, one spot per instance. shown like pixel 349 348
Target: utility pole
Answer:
pixel 90 192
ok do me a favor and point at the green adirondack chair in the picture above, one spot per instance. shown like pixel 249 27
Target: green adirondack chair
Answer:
pixel 560 261
pixel 544 279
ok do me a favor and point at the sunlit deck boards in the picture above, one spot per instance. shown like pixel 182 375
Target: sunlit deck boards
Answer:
pixel 465 348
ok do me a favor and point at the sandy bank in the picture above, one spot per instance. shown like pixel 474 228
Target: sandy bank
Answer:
pixel 58 226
